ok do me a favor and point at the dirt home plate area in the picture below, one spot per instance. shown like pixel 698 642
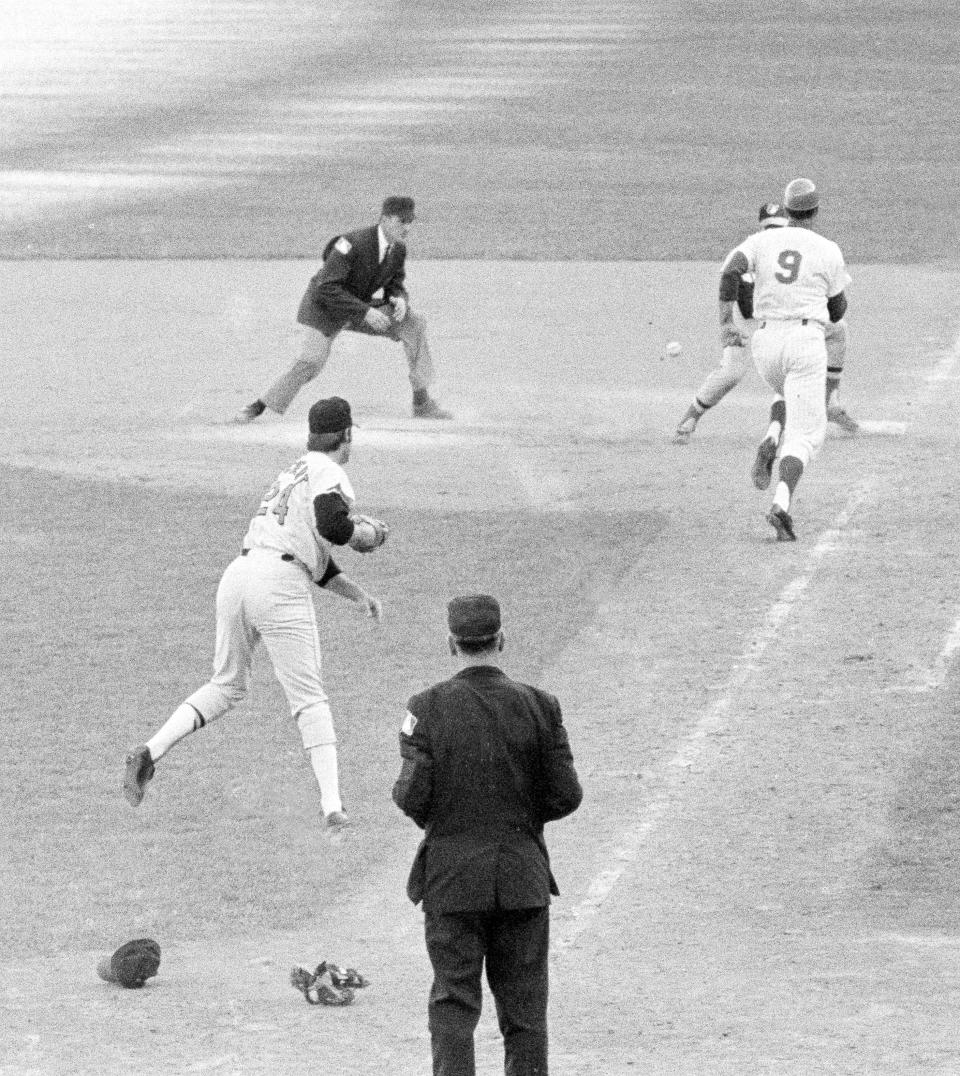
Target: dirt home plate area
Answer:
pixel 763 877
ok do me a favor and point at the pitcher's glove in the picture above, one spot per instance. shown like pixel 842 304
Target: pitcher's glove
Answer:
pixel 132 964
pixel 368 533
pixel 327 984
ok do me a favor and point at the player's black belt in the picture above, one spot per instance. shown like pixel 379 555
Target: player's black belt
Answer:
pixel 283 556
pixel 763 324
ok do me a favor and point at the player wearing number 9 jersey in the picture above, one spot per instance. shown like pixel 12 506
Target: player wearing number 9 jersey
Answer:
pixel 799 282
pixel 735 361
pixel 266 593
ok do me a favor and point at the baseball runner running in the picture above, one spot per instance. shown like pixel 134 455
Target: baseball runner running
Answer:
pixel 735 360
pixel 799 282
pixel 266 594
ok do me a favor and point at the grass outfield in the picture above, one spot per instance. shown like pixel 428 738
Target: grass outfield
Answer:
pixel 582 129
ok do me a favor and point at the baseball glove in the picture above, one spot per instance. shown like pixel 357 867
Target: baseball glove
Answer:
pixel 368 533
pixel 132 964
pixel 327 984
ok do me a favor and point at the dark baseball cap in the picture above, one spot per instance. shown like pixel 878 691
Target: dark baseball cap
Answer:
pixel 329 416
pixel 473 617
pixel 398 205
pixel 772 215
pixel 801 196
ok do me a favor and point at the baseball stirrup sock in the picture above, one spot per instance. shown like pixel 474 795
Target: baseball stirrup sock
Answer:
pixel 184 720
pixel 323 759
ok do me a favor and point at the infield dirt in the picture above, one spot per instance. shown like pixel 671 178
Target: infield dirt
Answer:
pixel 762 878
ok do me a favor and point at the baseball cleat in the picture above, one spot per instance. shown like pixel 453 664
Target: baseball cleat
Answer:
pixel 335 823
pixel 839 417
pixel 762 470
pixel 684 432
pixel 781 523
pixel 139 770
pixel 249 413
pixel 430 409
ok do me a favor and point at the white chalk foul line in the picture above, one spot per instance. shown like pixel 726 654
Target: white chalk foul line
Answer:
pixel 933 678
pixel 699 746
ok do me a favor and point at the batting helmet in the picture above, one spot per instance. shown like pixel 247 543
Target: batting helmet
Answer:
pixel 800 196
pixel 772 215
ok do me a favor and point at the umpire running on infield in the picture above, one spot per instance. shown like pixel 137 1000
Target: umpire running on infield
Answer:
pixel 486 762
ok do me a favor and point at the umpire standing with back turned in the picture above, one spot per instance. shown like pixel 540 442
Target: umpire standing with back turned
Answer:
pixel 486 762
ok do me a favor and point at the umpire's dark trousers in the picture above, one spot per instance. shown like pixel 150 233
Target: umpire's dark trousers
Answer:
pixel 515 946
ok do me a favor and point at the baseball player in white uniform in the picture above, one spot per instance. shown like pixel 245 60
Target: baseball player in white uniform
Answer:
pixel 799 282
pixel 735 360
pixel 266 594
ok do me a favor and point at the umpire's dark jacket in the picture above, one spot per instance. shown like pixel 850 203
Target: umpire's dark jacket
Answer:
pixel 341 291
pixel 486 762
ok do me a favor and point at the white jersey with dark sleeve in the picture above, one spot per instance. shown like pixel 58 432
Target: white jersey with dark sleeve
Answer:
pixel 306 510
pixel 795 271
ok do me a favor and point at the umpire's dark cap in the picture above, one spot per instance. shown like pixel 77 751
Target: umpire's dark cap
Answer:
pixel 398 205
pixel 329 416
pixel 473 618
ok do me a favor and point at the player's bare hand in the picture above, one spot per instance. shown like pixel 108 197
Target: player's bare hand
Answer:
pixel 377 320
pixel 399 305
pixel 730 336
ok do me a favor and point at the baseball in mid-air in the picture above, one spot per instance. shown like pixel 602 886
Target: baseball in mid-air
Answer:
pixel 674 348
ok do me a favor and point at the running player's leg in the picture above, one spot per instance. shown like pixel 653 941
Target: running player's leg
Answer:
pixel 806 425
pixel 836 337
pixel 762 470
pixel 288 625
pixel 314 353
pixel 734 363
pixel 233 653
pixel 721 380
pixel 767 349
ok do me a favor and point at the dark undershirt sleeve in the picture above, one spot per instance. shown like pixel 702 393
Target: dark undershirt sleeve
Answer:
pixel 331 571
pixel 745 298
pixel 837 306
pixel 734 268
pixel 333 518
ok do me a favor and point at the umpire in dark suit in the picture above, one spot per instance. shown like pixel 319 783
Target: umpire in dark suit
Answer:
pixel 486 763
pixel 359 287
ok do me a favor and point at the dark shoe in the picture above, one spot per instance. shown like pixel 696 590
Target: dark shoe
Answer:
pixel 762 470
pixel 139 770
pixel 839 417
pixel 249 413
pixel 781 523
pixel 684 431
pixel 430 409
pixel 335 824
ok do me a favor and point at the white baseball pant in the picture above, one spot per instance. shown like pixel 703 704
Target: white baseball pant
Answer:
pixel 735 361
pixel 792 358
pixel 261 597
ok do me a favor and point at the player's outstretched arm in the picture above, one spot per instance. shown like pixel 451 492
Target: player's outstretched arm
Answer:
pixel 345 587
pixel 730 335
pixel 733 269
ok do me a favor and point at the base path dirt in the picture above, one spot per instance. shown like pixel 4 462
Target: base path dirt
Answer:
pixel 762 876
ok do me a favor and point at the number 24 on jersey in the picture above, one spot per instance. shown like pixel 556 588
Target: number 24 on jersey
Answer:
pixel 277 497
